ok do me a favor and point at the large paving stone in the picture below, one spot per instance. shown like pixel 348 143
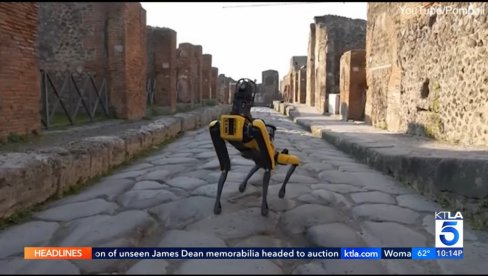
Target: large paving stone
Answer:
pixel 297 221
pixel 391 234
pixel 311 268
pixel 238 161
pixel 292 191
pixel 158 175
pixel 418 203
pixel 77 210
pixel 385 212
pixel 325 197
pixel 108 189
pixel 230 188
pixel 262 241
pixel 239 224
pixel 141 199
pixel 474 261
pixel 98 229
pixel 372 197
pixel 179 213
pixel 102 266
pixel 359 267
pixel 49 267
pixel 181 238
pixel 207 154
pixel 334 235
pixel 127 174
pixel 174 160
pixel 138 167
pixel 212 165
pixel 295 178
pixel 381 182
pixel 338 188
pixel 337 177
pixel 228 267
pixel 274 203
pixel 354 168
pixel 148 267
pixel 186 182
pixel 148 185
pixel 318 167
pixel 34 233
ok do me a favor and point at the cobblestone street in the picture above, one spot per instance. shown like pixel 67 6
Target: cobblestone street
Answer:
pixel 167 199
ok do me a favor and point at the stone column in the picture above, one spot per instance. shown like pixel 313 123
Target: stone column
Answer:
pixel 197 74
pixel 320 67
pixel 206 76
pixel 184 84
pixel 163 45
pixel 310 98
pixel 302 85
pixel 213 82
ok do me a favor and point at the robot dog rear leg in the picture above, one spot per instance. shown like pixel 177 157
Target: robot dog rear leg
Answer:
pixel 264 204
pixel 224 160
pixel 281 194
pixel 243 185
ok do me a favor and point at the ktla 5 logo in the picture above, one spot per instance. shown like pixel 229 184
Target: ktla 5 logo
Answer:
pixel 448 230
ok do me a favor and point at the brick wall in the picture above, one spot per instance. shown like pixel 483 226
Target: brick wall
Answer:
pixel 19 69
pixel 353 84
pixel 427 74
pixel 127 60
pixel 161 48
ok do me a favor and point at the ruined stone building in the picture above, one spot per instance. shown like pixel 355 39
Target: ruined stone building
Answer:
pixel 427 74
pixel 330 37
pixel 87 58
pixel 293 80
pixel 268 90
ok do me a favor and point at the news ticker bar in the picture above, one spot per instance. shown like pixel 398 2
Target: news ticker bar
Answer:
pixel 349 253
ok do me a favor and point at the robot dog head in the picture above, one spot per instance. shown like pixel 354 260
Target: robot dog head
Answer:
pixel 244 97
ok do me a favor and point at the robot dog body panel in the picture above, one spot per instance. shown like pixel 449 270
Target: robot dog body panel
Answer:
pixel 253 138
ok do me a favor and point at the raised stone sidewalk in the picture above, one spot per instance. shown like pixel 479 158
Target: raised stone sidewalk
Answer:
pixel 30 178
pixel 455 176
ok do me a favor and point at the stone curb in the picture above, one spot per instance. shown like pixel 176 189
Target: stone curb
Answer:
pixel 27 179
pixel 463 183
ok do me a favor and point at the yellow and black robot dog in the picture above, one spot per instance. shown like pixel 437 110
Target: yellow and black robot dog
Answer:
pixel 253 138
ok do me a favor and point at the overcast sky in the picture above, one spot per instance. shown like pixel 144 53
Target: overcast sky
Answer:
pixel 243 40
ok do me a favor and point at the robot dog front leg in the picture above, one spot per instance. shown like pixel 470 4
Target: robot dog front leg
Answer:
pixel 243 185
pixel 224 160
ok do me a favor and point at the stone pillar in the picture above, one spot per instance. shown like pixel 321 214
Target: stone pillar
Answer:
pixel 213 82
pixel 20 93
pixel 184 84
pixel 232 88
pixel 311 67
pixel 162 57
pixel 302 85
pixel 197 74
pixel 127 60
pixel 295 87
pixel 353 85
pixel 320 67
pixel 206 76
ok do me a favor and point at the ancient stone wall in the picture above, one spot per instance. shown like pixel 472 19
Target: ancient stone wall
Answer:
pixel 104 39
pixel 353 85
pixel 296 64
pixel 427 73
pixel 334 35
pixel 161 52
pixel 214 82
pixel 19 69
pixel 206 76
pixel 269 87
